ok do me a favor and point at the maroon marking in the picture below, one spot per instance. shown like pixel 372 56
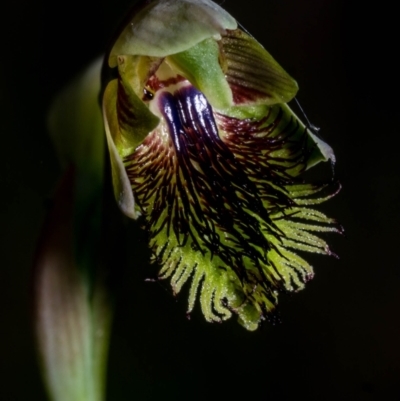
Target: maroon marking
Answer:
pixel 155 84
pixel 241 94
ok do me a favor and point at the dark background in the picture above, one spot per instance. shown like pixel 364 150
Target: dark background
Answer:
pixel 339 339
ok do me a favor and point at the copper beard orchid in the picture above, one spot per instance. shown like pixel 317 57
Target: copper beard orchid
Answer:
pixel 205 149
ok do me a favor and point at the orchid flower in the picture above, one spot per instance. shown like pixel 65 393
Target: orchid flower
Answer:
pixel 208 156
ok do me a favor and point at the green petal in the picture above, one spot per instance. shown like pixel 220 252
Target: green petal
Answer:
pixel 253 75
pixel 161 28
pixel 127 122
pixel 122 189
pixel 322 152
pixel 200 65
pixel 319 151
pixel 129 118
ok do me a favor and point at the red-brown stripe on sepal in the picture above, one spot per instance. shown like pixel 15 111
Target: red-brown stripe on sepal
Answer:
pixel 252 73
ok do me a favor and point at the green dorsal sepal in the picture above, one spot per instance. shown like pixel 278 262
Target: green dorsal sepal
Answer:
pixel 165 27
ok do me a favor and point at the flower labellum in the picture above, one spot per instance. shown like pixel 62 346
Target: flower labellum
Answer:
pixel 204 147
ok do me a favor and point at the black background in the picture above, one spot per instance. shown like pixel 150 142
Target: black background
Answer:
pixel 339 339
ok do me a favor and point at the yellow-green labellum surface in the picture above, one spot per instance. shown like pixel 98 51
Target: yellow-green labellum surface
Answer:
pixel 208 155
